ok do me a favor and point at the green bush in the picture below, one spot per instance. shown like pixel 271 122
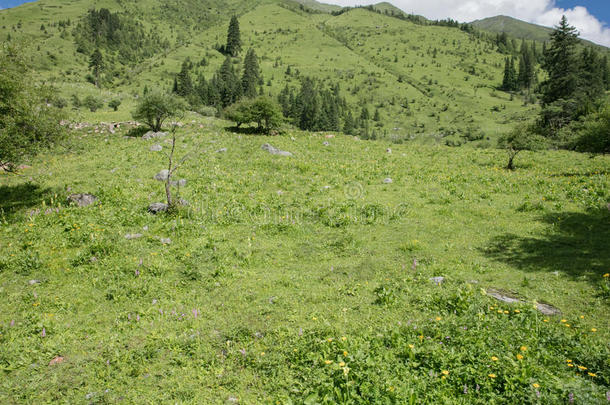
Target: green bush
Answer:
pixel 262 110
pixel 156 107
pixel 92 103
pixel 27 121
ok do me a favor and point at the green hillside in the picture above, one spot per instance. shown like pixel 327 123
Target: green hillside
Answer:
pixel 523 30
pixel 514 27
pixel 303 279
pixel 379 265
pixel 432 83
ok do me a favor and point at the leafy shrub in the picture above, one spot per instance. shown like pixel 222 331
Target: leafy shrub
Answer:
pixel 92 103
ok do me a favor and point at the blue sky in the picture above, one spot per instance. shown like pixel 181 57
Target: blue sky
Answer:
pixel 599 8
pixel 590 17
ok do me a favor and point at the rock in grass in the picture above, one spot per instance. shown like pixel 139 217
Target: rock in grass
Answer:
pixel 131 236
pixel 387 180
pixel 275 151
pixel 156 148
pixel 162 175
pixel 437 280
pixel 152 135
pixel 545 309
pixel 326 143
pixel 34 282
pixel 165 241
pixel 156 208
pixel 82 200
pixel 181 183
pixel 221 150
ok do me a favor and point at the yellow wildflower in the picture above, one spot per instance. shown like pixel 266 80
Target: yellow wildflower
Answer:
pixel 491 375
pixel 342 364
pixel 328 361
pixel 607 275
pixel 523 348
pixel 445 372
pixel 519 357
pixel 582 368
pixel 592 374
pixel 494 358
pixel 438 318
pixel 345 352
pixel 536 385
pixel 411 346
pixel 593 330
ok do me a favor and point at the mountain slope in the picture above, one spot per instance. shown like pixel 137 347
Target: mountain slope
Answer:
pixel 427 82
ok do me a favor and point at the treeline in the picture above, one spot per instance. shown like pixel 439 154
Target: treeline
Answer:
pixel 113 32
pixel 525 77
pixel 415 19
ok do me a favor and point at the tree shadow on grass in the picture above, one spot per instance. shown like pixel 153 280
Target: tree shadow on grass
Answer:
pixel 576 244
pixel 250 130
pixel 21 196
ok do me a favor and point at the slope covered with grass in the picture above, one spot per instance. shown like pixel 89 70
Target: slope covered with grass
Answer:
pixel 427 81
pixel 305 278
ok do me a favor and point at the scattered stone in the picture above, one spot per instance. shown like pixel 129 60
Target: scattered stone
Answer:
pixel 221 150
pixel 181 182
pixel 437 280
pixel 82 200
pixel 387 180
pixel 326 187
pixel 93 259
pixel 56 360
pixel 145 228
pixel 34 282
pixel 388 150
pixel 279 192
pixel 152 135
pixel 232 400
pixel 545 309
pixel 156 148
pixel 165 241
pixel 114 170
pixel 275 151
pixel 272 300
pixel 326 143
pixel 131 236
pixel 156 208
pixel 329 136
pixel 162 175
pixel 501 296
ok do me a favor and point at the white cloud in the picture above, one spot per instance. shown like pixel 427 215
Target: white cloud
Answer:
pixel 542 12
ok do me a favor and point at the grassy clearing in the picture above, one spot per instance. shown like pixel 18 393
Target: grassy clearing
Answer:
pixel 293 279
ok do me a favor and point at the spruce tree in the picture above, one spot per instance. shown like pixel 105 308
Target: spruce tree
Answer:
pixel 184 83
pixel 96 64
pixel 252 75
pixel 229 86
pixel 510 76
pixel 561 64
pixel 233 38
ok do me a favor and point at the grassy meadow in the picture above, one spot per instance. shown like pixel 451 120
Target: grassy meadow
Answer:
pixel 303 279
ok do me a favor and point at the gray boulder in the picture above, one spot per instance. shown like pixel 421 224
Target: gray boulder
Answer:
pixel 162 175
pixel 221 150
pixel 156 208
pixel 131 236
pixel 82 200
pixel 152 135
pixel 275 151
pixel 437 280
pixel 156 148
pixel 387 180
pixel 181 183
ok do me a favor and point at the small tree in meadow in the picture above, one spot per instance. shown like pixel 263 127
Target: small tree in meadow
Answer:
pixel 519 139
pixel 114 104
pixel 155 107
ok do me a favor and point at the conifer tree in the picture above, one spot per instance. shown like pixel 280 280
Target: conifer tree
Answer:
pixel 228 84
pixel 252 75
pixel 233 38
pixel 561 64
pixel 96 64
pixel 184 84
pixel 510 76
